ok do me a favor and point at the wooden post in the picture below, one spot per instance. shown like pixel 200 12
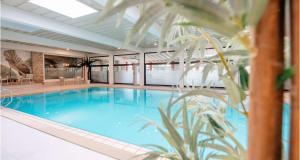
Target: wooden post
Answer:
pixel 294 132
pixel 265 114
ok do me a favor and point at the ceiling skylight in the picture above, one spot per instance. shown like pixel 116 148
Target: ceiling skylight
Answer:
pixel 70 8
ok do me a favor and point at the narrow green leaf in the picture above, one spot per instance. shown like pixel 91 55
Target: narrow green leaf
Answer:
pixel 144 22
pixel 238 6
pixel 231 53
pixel 235 93
pixel 160 148
pixel 201 92
pixel 174 136
pixel 145 126
pixel 176 115
pixel 185 123
pixel 218 148
pixel 208 19
pixel 284 76
pixel 111 10
pixel 169 107
pixel 216 127
pixel 173 132
pixel 165 29
pixel 120 18
pixel 255 11
pixel 194 138
pixel 207 68
pixel 244 78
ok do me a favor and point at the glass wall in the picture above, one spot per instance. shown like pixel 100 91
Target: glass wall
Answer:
pixel 126 69
pixel 195 76
pixel 99 69
pixel 67 67
pixel 99 74
pixel 159 72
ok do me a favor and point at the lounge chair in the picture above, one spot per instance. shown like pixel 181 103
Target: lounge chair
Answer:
pixel 4 79
pixel 27 77
pixel 77 80
pixel 62 80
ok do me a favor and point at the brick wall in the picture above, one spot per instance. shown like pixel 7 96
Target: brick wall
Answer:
pixel 38 67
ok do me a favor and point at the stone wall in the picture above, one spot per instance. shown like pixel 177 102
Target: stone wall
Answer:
pixel 38 67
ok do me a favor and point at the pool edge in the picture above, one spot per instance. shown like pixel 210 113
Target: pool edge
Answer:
pixel 101 144
pixel 47 89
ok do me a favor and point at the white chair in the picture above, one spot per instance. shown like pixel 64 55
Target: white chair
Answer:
pixel 19 79
pixel 4 79
pixel 62 80
pixel 27 77
pixel 77 80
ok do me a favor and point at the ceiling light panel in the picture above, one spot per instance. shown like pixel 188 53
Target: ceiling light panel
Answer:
pixel 70 8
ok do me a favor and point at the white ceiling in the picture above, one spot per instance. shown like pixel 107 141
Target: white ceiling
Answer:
pixel 85 23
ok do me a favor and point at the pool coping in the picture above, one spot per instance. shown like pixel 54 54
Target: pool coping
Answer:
pixel 104 145
pixel 48 89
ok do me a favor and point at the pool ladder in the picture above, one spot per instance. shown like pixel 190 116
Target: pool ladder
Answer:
pixel 7 99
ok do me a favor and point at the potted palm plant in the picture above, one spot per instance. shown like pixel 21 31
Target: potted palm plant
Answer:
pixel 86 64
pixel 190 26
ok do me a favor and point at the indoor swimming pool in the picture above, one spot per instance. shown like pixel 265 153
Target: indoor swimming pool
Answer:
pixel 116 113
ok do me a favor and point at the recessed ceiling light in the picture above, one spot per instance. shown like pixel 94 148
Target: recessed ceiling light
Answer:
pixel 70 8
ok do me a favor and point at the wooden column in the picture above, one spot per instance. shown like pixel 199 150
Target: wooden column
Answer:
pixel 294 132
pixel 265 114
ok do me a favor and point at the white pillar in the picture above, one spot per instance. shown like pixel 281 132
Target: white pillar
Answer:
pixel 111 70
pixel 142 68
pixel 134 72
pixel 181 71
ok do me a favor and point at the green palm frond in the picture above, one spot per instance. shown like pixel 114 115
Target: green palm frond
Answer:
pixel 185 137
pixel 197 129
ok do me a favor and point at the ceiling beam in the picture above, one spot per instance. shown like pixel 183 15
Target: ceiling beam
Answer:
pixel 20 37
pixel 46 50
pixel 28 18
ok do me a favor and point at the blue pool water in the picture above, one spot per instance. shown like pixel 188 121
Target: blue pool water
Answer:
pixel 113 112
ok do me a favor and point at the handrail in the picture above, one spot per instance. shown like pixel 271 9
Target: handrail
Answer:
pixel 9 95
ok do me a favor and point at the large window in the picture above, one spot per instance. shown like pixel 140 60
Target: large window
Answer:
pixel 195 76
pixel 99 69
pixel 159 72
pixel 67 67
pixel 126 69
